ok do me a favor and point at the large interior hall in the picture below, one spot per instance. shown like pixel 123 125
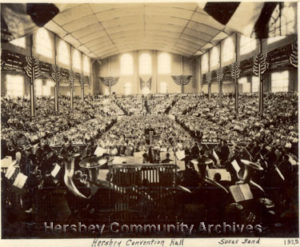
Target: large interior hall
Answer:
pixel 149 114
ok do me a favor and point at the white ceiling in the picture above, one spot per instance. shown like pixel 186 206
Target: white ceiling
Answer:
pixel 103 30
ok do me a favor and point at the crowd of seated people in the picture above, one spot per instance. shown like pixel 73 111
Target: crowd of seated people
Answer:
pixel 160 104
pixel 130 133
pixel 132 104
pixel 269 143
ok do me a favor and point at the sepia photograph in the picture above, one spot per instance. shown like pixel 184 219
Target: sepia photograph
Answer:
pixel 150 123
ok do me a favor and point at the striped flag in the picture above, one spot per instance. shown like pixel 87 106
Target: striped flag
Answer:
pixel 253 19
pixel 20 19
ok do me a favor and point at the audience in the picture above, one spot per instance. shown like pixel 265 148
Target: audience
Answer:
pixel 211 135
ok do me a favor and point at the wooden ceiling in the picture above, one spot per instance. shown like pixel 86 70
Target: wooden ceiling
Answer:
pixel 102 30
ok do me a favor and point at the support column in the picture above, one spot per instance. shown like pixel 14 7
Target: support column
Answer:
pixel 182 72
pixel 236 82
pixel 56 88
pixel 197 73
pixel 154 71
pixel 209 75
pixel 91 77
pixel 32 79
pixel 136 72
pixel 82 77
pixel 260 76
pixel 71 81
pixel 220 75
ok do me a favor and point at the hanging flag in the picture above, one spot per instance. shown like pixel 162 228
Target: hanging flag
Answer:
pixel 20 19
pixel 253 19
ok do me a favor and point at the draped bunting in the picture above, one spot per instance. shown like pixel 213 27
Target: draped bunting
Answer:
pixel 235 70
pixel 32 67
pixel 208 77
pixel 145 83
pixel 56 74
pixel 19 19
pixel 182 80
pixel 263 19
pixel 294 55
pixel 82 80
pixel 71 78
pixel 260 60
pixel 109 81
pixel 220 74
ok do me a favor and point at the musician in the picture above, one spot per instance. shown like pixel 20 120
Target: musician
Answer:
pixel 224 151
pixel 195 151
pixel 167 159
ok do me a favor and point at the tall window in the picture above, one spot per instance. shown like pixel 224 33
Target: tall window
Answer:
pixel 76 59
pixel 47 87
pixel 214 58
pixel 228 50
pixel 43 43
pixel 38 86
pixel 247 45
pixel 126 64
pixel 63 53
pixel 86 65
pixel 164 63
pixel 106 91
pixel 204 63
pixel 255 84
pixel 19 42
pixel 283 20
pixel 163 87
pixel 245 85
pixel 280 81
pixel 127 88
pixel 145 64
pixel 14 85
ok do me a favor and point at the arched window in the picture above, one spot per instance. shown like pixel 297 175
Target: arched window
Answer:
pixel 76 60
pixel 204 63
pixel 280 81
pixel 228 50
pixel 14 85
pixel 63 53
pixel 19 42
pixel 126 64
pixel 86 65
pixel 164 63
pixel 247 45
pixel 214 58
pixel 145 64
pixel 127 88
pixel 43 43
pixel 163 87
